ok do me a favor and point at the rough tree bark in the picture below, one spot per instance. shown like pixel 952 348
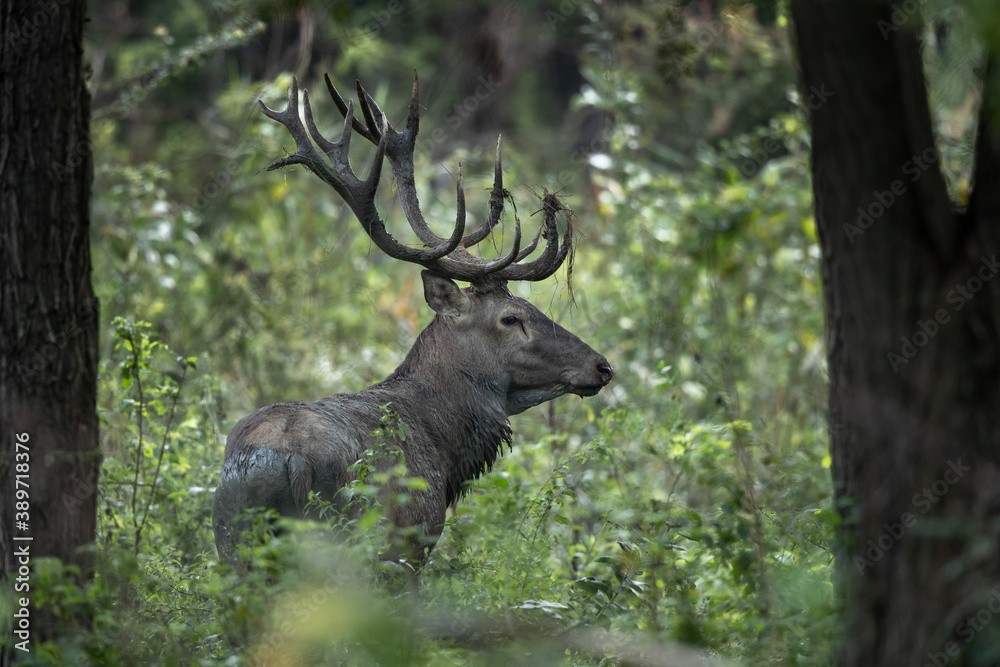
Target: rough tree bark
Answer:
pixel 913 334
pixel 48 314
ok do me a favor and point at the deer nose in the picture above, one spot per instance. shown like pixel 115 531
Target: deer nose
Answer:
pixel 605 371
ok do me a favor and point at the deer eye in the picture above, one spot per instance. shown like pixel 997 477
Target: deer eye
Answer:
pixel 510 320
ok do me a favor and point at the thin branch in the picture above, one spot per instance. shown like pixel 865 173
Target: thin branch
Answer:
pixel 138 450
pixel 159 460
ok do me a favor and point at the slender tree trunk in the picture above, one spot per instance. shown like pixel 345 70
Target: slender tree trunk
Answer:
pixel 49 456
pixel 913 334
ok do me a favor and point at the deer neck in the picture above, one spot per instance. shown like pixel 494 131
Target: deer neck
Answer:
pixel 463 412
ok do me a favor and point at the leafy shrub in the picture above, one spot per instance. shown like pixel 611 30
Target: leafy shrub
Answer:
pixel 688 504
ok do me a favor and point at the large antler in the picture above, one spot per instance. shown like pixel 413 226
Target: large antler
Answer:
pixel 449 256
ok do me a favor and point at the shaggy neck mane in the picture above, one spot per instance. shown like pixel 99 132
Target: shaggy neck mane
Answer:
pixel 461 411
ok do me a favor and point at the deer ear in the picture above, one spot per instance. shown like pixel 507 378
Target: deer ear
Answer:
pixel 443 295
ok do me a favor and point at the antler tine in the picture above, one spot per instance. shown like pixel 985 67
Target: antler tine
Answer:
pixel 373 114
pixel 338 151
pixel 530 248
pixel 343 181
pixel 511 257
pixel 552 258
pixel 375 227
pixel 358 194
pixel 456 235
pixel 482 269
pixel 477 270
pixel 400 152
pixel 460 199
pixel 496 205
pixel 413 119
pixel 347 111
pixel 346 133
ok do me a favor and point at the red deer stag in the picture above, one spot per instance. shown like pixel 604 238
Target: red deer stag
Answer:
pixel 485 356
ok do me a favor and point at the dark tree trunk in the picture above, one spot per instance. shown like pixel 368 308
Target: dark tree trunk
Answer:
pixel 48 314
pixel 913 335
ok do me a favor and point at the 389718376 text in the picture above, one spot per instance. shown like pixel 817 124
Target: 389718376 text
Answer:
pixel 22 540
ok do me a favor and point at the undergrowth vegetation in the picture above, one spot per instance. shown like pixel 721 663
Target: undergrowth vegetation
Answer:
pixel 686 508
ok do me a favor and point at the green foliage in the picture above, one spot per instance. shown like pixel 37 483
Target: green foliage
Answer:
pixel 688 503
pixel 158 401
pixel 383 466
pixel 666 546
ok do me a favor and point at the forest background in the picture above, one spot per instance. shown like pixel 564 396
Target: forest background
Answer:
pixel 688 505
